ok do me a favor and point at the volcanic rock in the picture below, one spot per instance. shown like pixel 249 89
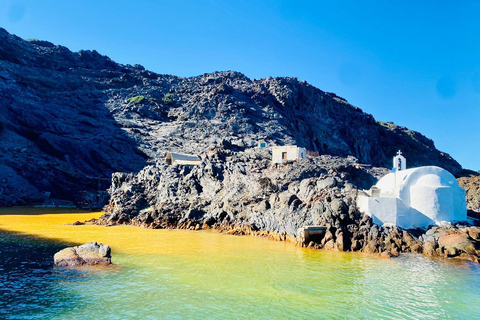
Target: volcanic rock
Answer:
pixel 68 120
pixel 90 253
pixel 471 184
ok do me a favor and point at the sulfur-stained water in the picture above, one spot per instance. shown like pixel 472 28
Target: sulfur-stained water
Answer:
pixel 176 274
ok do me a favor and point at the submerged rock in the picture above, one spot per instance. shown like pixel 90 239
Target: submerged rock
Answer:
pixel 91 253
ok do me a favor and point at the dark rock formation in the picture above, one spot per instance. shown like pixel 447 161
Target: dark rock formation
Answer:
pixel 68 121
pixel 241 189
pixel 57 138
pixel 89 254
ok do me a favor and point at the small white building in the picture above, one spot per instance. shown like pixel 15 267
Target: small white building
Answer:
pixel 416 197
pixel 182 159
pixel 281 154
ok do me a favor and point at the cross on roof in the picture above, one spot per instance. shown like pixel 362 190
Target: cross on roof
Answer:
pixel 399 153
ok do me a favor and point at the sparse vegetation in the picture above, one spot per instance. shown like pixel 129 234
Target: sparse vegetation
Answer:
pixel 141 99
pixel 340 100
pixel 389 125
pixel 137 99
pixel 411 133
pixel 168 98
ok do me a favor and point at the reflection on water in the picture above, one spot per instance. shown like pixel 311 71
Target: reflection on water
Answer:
pixel 29 283
pixel 178 274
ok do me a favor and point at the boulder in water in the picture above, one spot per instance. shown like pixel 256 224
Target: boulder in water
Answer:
pixel 91 253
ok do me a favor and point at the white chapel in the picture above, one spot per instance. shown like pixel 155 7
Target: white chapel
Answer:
pixel 414 198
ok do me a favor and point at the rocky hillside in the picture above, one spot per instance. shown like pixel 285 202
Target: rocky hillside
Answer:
pixel 240 188
pixel 68 120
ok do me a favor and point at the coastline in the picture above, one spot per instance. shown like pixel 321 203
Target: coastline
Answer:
pixel 387 245
pixel 40 222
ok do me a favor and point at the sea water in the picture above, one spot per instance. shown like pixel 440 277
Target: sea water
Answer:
pixel 177 274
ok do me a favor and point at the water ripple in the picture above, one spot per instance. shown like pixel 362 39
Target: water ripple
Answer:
pixel 226 277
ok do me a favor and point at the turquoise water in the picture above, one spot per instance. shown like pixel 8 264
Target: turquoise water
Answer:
pixel 165 274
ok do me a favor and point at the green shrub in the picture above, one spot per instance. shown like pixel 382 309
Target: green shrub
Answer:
pixel 168 98
pixel 137 99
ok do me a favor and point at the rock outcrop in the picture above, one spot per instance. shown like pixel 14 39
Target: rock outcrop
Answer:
pixel 241 189
pixel 471 184
pixel 68 120
pixel 89 254
pixel 243 193
pixel 460 243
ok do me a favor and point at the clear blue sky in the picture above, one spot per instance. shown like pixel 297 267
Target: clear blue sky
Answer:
pixel 416 63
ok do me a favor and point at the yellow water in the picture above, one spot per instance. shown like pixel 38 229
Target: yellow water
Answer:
pixel 177 274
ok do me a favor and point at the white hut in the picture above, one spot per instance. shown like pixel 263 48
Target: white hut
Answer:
pixel 417 197
pixel 281 154
pixel 182 159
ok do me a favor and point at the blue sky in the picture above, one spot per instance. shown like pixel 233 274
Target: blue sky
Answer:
pixel 416 63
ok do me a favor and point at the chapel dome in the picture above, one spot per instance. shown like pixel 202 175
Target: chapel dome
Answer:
pixel 416 197
pixel 432 180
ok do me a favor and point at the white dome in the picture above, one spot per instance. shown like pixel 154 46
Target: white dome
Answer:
pixel 430 180
pixel 417 197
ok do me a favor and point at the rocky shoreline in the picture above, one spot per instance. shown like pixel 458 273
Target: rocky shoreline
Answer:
pixel 455 242
pixel 240 193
